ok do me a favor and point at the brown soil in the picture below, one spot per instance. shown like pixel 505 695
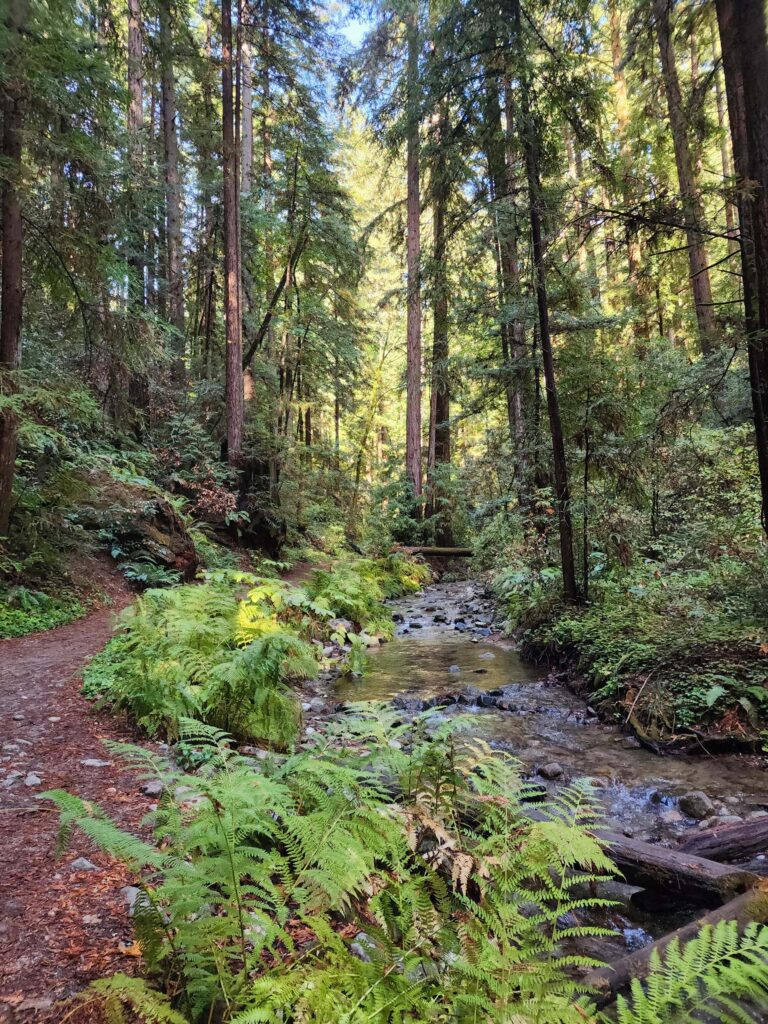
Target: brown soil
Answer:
pixel 59 927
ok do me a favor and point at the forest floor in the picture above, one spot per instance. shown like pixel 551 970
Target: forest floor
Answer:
pixel 63 920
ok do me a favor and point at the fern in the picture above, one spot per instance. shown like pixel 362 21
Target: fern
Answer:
pixel 719 975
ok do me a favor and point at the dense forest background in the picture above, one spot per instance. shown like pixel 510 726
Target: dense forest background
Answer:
pixel 491 274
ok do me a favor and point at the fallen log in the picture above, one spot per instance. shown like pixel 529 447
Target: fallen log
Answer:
pixel 614 978
pixel 436 551
pixel 736 840
pixel 679 874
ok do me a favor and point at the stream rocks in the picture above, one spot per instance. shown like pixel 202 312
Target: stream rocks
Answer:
pixel 696 804
pixel 552 770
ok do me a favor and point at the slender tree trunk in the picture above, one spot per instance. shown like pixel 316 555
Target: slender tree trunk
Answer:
pixel 530 137
pixel 172 186
pixel 439 428
pixel 11 286
pixel 246 170
pixel 745 58
pixel 693 210
pixel 500 160
pixel 731 211
pixel 413 254
pixel 135 124
pixel 233 319
pixel 622 122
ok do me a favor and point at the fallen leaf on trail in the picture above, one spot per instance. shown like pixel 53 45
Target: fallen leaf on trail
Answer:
pixel 129 949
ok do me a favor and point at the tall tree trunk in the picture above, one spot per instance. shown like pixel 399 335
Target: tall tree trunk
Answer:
pixel 172 187
pixel 11 293
pixel 246 168
pixel 531 145
pixel 731 211
pixel 622 122
pixel 135 124
pixel 439 426
pixel 499 159
pixel 233 319
pixel 693 210
pixel 745 59
pixel 413 259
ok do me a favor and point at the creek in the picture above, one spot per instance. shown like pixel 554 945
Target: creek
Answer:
pixel 448 647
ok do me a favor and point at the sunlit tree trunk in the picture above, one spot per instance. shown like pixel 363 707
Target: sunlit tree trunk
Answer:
pixel 413 260
pixel 172 186
pixel 233 319
pixel 693 210
pixel 745 62
pixel 439 418
pixel 531 145
pixel 11 286
pixel 135 124
pixel 246 168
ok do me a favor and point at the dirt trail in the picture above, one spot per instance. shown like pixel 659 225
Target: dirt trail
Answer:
pixel 60 927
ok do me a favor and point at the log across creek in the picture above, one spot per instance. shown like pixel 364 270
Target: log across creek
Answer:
pixel 735 895
pixel 609 981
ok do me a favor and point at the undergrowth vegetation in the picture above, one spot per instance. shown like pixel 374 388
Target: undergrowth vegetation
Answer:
pixel 332 887
pixel 226 651
pixel 673 632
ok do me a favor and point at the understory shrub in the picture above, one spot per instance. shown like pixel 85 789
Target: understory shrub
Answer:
pixel 24 611
pixel 226 651
pixel 678 645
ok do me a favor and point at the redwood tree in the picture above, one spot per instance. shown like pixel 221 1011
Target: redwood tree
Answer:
pixel 11 289
pixel 413 258
pixel 233 319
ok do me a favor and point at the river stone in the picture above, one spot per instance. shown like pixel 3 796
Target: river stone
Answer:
pixel 454 669
pixel 671 816
pixel 154 787
pixel 83 864
pixel 553 770
pixel 696 805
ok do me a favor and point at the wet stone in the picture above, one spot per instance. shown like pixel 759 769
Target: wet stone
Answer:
pixel 550 771
pixel 696 804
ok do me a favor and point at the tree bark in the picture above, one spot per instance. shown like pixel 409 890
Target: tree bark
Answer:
pixel 693 210
pixel 135 125
pixel 728 842
pixel 440 412
pixel 172 186
pixel 413 260
pixel 233 319
pixel 246 169
pixel 560 465
pixel 499 157
pixel 748 102
pixel 11 286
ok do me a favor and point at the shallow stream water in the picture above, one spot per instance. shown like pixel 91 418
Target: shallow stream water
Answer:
pixel 447 642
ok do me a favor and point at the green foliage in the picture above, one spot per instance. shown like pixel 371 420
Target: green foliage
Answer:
pixel 677 637
pixel 228 658
pixel 720 975
pixel 25 611
pixel 251 908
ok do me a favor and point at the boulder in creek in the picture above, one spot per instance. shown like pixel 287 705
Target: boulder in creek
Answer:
pixel 552 770
pixel 696 805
